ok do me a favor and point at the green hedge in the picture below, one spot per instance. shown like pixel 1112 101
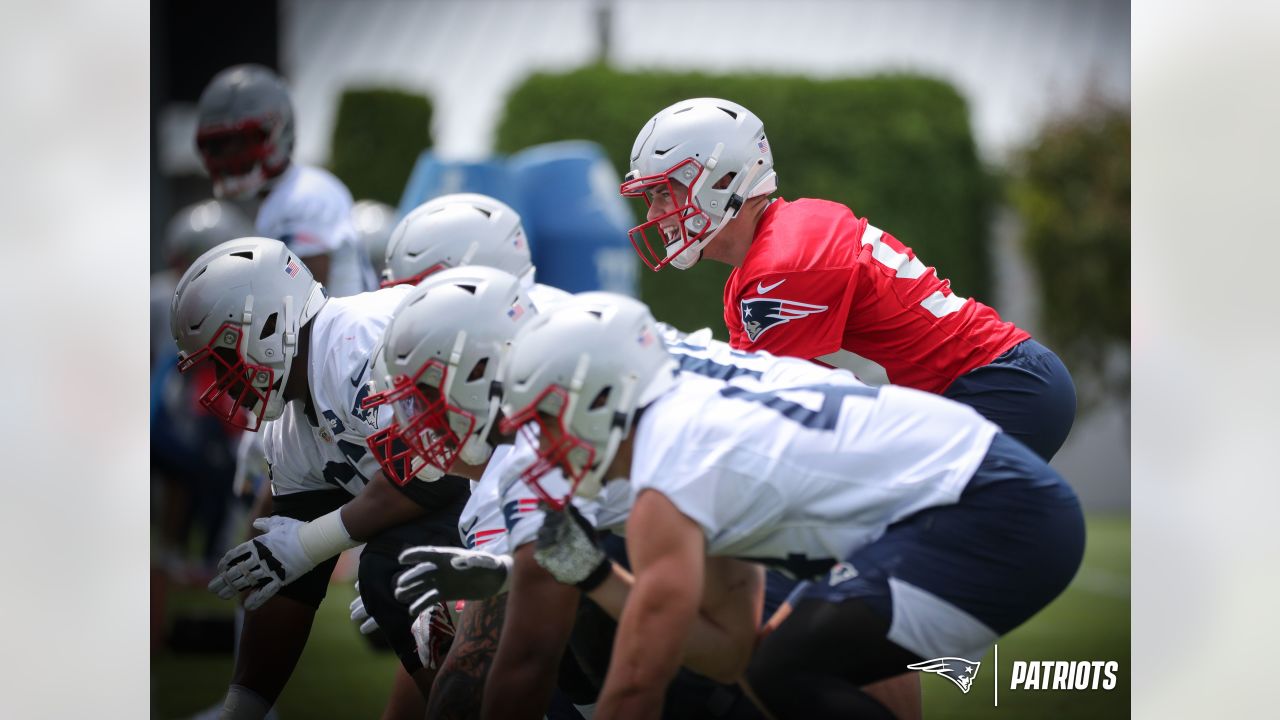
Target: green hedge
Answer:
pixel 897 149
pixel 1071 189
pixel 378 136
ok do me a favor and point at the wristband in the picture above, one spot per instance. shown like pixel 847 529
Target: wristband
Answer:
pixel 325 537
pixel 597 576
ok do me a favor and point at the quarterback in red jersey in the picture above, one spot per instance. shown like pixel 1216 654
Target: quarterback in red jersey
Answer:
pixel 812 280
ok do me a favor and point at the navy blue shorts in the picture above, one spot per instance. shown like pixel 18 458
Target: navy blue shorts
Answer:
pixel 1027 391
pixel 952 579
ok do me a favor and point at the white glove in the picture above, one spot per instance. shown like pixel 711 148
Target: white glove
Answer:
pixel 360 616
pixel 263 564
pixel 449 573
pixel 567 547
pixel 433 634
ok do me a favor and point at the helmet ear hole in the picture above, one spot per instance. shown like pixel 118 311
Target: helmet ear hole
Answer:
pixel 601 399
pixel 477 372
pixel 268 327
pixel 724 181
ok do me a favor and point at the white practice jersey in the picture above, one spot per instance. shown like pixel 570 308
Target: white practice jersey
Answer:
pixel 309 210
pixel 798 474
pixel 481 526
pixel 322 446
pixel 696 354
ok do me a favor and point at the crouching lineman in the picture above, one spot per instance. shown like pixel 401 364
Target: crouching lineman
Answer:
pixel 944 532
pixel 284 359
pixel 437 413
pixel 439 363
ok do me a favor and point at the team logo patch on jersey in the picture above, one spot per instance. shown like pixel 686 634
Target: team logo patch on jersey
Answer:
pixel 483 537
pixel 759 314
pixel 513 510
pixel 957 670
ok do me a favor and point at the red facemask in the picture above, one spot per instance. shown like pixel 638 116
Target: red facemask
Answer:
pixel 240 391
pixel 643 236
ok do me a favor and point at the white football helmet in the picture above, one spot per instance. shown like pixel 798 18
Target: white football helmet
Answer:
pixel 710 153
pixel 455 230
pixel 441 357
pixel 578 374
pixel 373 222
pixel 244 129
pixel 198 228
pixel 240 307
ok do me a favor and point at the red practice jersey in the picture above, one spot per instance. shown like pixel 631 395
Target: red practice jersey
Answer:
pixel 822 284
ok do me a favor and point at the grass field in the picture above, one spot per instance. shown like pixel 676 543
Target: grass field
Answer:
pixel 340 676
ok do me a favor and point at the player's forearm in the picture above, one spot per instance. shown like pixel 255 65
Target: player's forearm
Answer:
pixel 378 507
pixel 659 615
pixel 711 648
pixel 459 687
pixel 520 682
pixel 631 703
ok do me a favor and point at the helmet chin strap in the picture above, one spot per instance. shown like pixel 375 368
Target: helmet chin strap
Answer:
pixel 477 449
pixel 618 427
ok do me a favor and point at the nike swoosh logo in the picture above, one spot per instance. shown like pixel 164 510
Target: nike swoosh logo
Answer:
pixel 761 288
pixel 467 529
pixel 355 379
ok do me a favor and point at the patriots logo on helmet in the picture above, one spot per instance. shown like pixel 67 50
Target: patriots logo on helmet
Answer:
pixel 957 670
pixel 760 313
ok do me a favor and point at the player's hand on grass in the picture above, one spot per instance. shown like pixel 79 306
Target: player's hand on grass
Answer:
pixel 449 573
pixel 360 616
pixel 263 564
pixel 433 634
pixel 567 547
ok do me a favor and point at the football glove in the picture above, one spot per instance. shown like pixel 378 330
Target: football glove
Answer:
pixel 449 573
pixel 263 564
pixel 433 634
pixel 360 616
pixel 567 547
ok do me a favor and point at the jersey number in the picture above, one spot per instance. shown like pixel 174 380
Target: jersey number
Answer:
pixel 824 418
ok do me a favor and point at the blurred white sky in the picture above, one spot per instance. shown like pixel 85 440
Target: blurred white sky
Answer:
pixel 1017 61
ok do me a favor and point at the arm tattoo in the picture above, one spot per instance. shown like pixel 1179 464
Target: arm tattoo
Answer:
pixel 459 686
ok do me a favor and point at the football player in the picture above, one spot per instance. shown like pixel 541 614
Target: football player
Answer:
pixel 945 533
pixel 284 359
pixel 812 280
pixel 438 235
pixel 245 134
pixel 190 452
pixel 541 615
